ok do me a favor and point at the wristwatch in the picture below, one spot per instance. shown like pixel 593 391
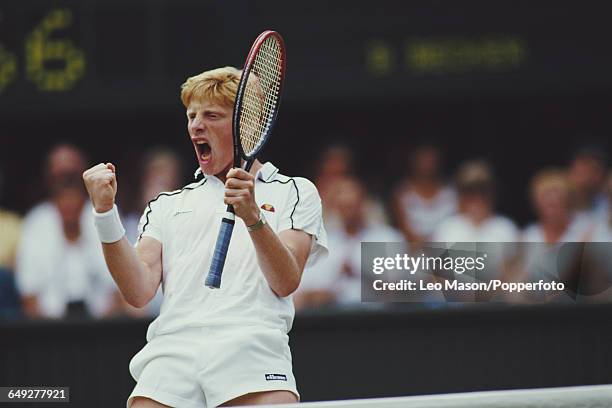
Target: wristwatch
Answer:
pixel 262 221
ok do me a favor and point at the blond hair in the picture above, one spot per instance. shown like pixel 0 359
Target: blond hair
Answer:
pixel 217 86
pixel 475 176
pixel 550 179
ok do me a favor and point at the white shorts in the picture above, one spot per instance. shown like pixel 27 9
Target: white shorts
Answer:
pixel 205 367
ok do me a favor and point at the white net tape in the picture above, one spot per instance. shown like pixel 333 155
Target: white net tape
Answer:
pixel 594 396
pixel 261 95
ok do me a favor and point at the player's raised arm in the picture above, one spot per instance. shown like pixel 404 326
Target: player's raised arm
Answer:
pixel 136 272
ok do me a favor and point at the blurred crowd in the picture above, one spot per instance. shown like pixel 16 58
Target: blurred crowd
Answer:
pixel 51 261
pixel 571 204
pixel 52 266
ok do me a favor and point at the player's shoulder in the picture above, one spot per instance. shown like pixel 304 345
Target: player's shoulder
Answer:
pixel 269 174
pixel 299 186
pixel 303 182
pixel 169 197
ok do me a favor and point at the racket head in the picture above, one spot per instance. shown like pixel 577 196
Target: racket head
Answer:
pixel 258 97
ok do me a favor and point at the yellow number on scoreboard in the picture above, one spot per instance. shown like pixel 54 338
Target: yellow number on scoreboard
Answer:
pixel 8 68
pixel 40 50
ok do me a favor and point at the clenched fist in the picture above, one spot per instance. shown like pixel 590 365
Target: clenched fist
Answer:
pixel 240 193
pixel 101 184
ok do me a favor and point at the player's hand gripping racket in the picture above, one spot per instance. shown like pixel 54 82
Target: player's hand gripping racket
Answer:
pixel 255 110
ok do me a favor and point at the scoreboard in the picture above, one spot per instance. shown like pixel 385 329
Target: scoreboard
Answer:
pixel 71 55
pixel 49 63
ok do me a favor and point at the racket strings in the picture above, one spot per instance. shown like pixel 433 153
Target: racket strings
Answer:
pixel 261 95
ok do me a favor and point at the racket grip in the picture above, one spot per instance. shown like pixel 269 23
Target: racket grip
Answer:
pixel 213 280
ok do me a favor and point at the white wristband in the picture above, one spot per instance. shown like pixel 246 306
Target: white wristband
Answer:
pixel 109 225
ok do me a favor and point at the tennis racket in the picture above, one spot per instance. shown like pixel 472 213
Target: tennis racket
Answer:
pixel 255 112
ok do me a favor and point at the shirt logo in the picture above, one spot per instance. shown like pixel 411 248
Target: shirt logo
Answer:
pixel 182 212
pixel 267 207
pixel 276 377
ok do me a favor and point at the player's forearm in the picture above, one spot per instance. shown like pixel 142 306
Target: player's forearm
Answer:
pixel 132 275
pixel 277 262
pixel 129 272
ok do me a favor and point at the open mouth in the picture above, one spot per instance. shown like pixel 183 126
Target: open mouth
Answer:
pixel 204 151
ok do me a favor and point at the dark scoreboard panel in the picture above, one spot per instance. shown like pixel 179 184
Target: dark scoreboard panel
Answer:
pixel 107 55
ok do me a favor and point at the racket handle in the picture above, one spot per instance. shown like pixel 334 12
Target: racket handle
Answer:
pixel 213 280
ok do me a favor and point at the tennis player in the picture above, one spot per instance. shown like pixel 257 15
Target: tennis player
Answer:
pixel 212 347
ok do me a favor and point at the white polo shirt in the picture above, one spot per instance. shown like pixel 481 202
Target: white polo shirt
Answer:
pixel 186 222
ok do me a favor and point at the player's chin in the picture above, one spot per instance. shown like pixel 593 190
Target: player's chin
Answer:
pixel 207 169
pixel 206 166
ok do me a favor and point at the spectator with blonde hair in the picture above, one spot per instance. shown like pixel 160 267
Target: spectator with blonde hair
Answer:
pixel 547 256
pixel 552 197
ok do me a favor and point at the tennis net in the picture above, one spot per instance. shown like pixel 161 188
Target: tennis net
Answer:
pixel 597 396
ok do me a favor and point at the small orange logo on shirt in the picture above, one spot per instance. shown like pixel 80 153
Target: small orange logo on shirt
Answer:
pixel 267 207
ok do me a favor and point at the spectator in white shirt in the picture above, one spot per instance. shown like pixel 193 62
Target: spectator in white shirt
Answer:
pixel 334 165
pixel 60 270
pixel 476 220
pixel 554 252
pixel 551 195
pixel 337 279
pixel 477 224
pixel 423 200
